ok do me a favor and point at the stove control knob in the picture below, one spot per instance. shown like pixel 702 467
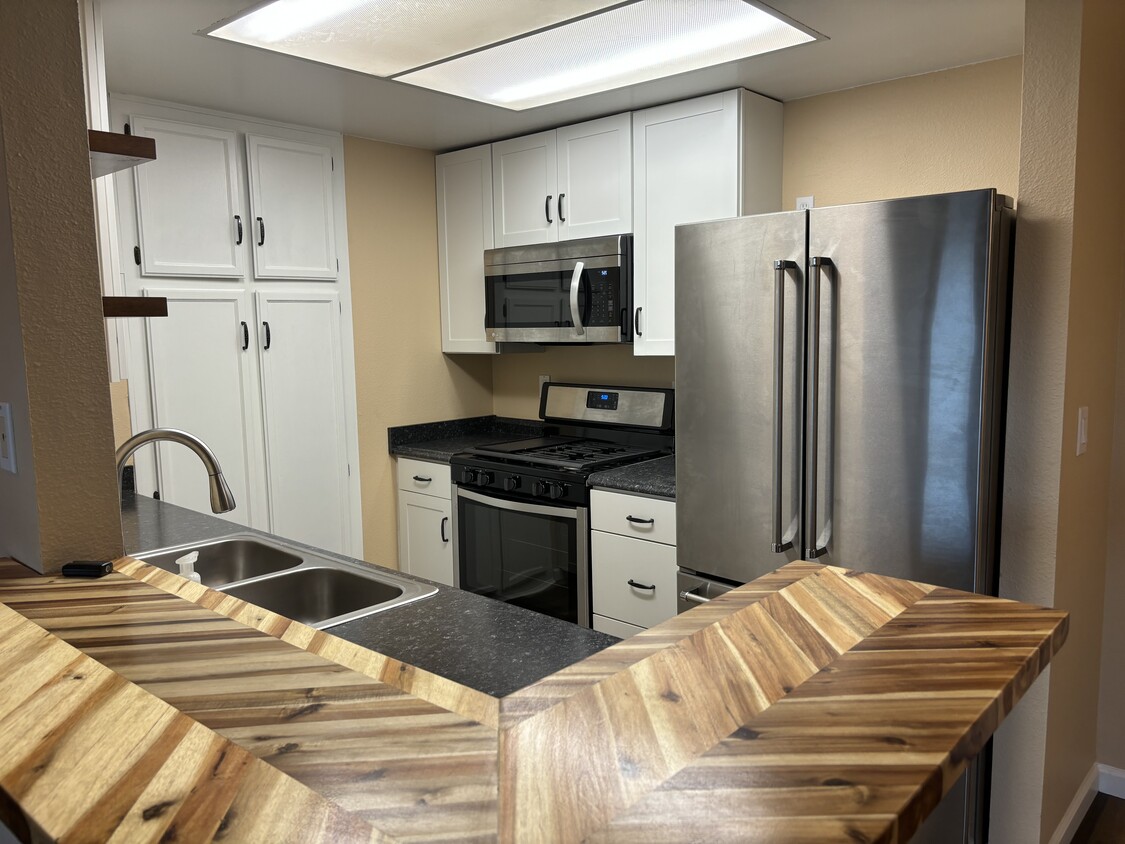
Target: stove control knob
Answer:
pixel 512 482
pixel 557 490
pixel 540 488
pixel 468 476
pixel 484 478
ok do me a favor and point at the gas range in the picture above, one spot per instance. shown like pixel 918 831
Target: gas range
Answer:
pixel 521 508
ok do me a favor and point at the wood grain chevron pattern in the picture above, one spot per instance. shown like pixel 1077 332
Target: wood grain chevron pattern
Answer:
pixel 416 771
pixel 468 702
pixel 88 756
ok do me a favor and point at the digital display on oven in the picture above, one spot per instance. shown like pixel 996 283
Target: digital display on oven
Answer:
pixel 601 401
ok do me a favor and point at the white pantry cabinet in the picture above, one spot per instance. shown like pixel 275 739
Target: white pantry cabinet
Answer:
pixel 464 209
pixel 632 561
pixel 256 357
pixel 703 159
pixel 190 202
pixel 563 184
pixel 425 516
pixel 292 205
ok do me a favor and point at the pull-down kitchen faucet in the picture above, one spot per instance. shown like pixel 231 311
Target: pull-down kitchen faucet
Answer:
pixel 222 500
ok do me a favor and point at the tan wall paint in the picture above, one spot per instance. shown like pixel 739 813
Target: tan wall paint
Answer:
pixel 119 401
pixel 54 259
pixel 952 130
pixel 401 375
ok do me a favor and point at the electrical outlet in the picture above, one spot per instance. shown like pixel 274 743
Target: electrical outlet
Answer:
pixel 804 203
pixel 543 379
pixel 7 446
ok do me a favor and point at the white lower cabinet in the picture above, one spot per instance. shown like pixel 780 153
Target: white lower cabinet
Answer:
pixel 632 578
pixel 425 538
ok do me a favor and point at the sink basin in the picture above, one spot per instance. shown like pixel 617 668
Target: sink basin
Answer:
pixel 296 582
pixel 321 597
pixel 228 560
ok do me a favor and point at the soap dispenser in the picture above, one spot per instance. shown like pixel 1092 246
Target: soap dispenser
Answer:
pixel 187 566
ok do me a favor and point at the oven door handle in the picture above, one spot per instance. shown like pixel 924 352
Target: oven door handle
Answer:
pixel 570 512
pixel 575 286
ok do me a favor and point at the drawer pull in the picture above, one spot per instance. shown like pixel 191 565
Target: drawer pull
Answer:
pixel 637 521
pixel 635 585
pixel 422 480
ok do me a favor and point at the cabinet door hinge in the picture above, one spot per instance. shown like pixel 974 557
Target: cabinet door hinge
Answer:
pixel 128 129
pixel 137 255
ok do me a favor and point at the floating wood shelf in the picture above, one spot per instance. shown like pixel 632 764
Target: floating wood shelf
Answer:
pixel 134 306
pixel 113 151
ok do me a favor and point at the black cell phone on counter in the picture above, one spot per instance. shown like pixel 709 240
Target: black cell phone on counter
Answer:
pixel 87 568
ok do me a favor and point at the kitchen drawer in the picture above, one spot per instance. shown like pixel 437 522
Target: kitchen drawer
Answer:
pixel 617 560
pixel 423 476
pixel 629 515
pixel 615 628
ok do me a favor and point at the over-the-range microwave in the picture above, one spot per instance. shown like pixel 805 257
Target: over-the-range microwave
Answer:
pixel 575 291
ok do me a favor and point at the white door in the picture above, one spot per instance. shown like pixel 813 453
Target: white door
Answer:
pixel 525 190
pixel 424 537
pixel 464 204
pixel 202 381
pixel 686 160
pixel 189 201
pixel 303 406
pixel 292 205
pixel 595 177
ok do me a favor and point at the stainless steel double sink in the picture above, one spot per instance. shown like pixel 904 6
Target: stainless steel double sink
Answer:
pixel 290 580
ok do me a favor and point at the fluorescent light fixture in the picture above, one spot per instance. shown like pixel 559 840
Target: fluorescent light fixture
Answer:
pixel 387 37
pixel 514 53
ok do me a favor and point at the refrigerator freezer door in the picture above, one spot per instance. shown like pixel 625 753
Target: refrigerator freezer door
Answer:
pixel 733 389
pixel 907 362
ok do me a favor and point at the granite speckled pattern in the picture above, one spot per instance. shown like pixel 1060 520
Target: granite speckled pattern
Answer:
pixel 652 477
pixel 490 646
pixel 439 441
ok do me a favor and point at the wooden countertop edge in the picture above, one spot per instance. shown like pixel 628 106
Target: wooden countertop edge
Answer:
pixel 89 755
pixel 430 687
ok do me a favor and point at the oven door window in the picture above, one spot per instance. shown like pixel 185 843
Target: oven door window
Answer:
pixel 529 559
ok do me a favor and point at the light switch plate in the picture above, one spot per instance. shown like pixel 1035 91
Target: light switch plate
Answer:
pixel 7 445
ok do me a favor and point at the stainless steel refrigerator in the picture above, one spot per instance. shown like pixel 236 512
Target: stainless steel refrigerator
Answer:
pixel 840 375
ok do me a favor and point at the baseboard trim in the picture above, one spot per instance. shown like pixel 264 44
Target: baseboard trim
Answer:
pixel 1111 781
pixel 1085 795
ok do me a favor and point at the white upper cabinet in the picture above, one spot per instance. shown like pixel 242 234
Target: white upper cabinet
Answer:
pixel 595 178
pixel 464 209
pixel 704 159
pixel 292 205
pixel 563 184
pixel 190 202
pixel 525 187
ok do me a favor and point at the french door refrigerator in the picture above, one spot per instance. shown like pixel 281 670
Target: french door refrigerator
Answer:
pixel 840 376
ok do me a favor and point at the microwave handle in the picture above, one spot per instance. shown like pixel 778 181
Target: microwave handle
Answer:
pixel 575 286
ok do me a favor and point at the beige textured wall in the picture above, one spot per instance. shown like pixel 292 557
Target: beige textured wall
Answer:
pixel 952 130
pixel 401 375
pixel 515 377
pixel 53 256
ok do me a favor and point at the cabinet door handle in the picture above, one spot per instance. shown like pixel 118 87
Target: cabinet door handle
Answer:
pixel 245 336
pixel 261 231
pixel 422 479
pixel 562 219
pixel 269 339
pixel 637 322
pixel 238 224
pixel 444 519
pixel 637 521
pixel 649 586
pixel 547 207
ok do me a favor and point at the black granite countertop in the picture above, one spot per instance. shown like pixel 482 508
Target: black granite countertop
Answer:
pixel 652 477
pixel 439 441
pixel 487 645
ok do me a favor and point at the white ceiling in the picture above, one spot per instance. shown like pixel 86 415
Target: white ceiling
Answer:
pixel 152 51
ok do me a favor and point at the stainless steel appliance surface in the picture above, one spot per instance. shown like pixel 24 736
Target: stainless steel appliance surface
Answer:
pixel 521 508
pixel 840 375
pixel 575 291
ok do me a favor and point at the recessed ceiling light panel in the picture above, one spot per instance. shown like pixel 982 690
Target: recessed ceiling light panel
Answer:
pixel 385 37
pixel 623 46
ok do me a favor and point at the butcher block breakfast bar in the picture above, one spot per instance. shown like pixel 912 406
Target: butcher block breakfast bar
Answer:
pixel 815 704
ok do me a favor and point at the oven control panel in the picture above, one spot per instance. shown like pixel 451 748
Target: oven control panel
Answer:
pixel 519 485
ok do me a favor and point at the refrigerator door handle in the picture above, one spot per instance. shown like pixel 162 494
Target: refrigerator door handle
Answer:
pixel 779 544
pixel 812 550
